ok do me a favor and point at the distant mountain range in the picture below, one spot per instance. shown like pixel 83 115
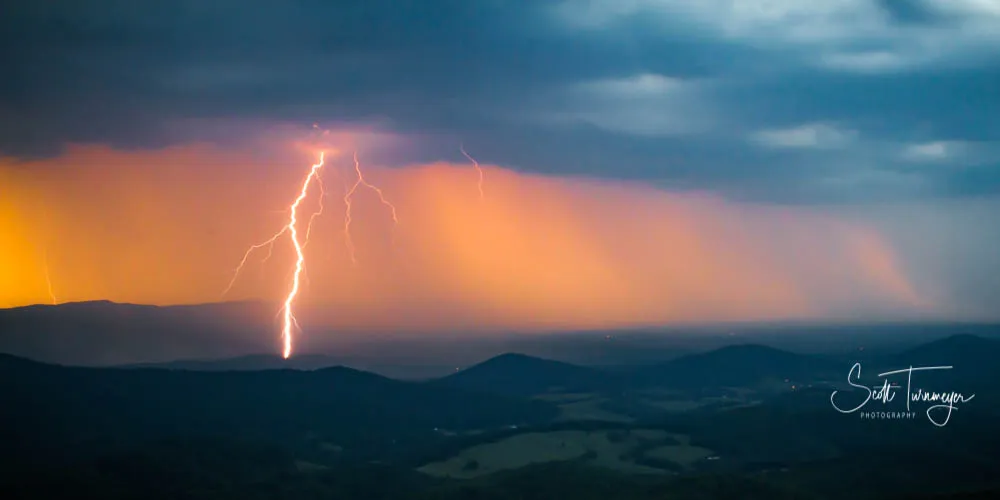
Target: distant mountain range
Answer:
pixel 61 332
pixel 958 350
pixel 974 362
pixel 103 333
pixel 733 366
pixel 109 333
pixel 522 375
pixel 250 362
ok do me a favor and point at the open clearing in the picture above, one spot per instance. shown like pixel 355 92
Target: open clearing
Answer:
pixel 682 453
pixel 678 402
pixel 563 398
pixel 606 448
pixel 590 409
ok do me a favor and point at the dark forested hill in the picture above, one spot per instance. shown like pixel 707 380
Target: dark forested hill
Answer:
pixel 52 411
pixel 735 366
pixel 518 374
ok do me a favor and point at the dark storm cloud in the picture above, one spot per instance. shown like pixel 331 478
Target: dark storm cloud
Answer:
pixel 950 103
pixel 909 11
pixel 76 72
pixel 729 102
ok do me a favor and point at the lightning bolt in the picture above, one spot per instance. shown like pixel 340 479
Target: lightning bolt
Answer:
pixel 289 323
pixel 347 202
pixel 478 169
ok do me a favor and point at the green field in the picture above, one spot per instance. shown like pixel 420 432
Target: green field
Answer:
pixel 565 397
pixel 612 449
pixel 590 409
pixel 596 407
pixel 683 454
pixel 677 402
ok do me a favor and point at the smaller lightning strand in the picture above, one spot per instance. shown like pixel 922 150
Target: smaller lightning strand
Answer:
pixel 45 260
pixel 312 218
pixel 478 169
pixel 48 277
pixel 268 243
pixel 348 200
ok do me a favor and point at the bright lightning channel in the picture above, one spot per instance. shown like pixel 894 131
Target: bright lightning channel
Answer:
pixel 348 200
pixel 289 323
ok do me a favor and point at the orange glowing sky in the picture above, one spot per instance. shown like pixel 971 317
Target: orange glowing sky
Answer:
pixel 534 252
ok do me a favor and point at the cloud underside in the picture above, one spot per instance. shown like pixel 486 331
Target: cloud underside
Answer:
pixel 835 100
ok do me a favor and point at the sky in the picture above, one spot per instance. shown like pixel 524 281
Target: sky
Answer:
pixel 646 161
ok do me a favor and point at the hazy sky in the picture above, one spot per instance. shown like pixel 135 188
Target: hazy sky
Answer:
pixel 648 160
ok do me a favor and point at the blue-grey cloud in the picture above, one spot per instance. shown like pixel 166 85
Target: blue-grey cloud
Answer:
pixel 793 101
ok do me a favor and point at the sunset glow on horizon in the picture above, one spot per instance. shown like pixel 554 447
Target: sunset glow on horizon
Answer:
pixel 528 252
